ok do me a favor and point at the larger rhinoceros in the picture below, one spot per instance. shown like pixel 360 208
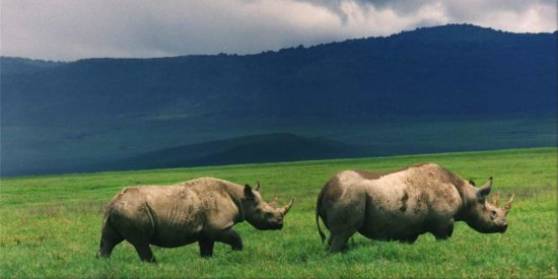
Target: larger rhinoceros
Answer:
pixel 202 210
pixel 404 204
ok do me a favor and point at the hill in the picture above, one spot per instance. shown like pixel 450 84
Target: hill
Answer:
pixel 106 105
pixel 246 149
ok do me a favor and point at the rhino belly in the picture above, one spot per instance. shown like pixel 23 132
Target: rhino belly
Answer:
pixel 175 235
pixel 391 226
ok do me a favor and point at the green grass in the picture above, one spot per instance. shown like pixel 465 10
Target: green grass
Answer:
pixel 50 225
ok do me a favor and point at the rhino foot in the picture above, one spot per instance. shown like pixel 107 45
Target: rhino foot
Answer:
pixel 206 247
pixel 338 241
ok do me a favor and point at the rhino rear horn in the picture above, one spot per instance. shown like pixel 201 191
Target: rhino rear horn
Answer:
pixel 273 202
pixel 508 204
pixel 495 200
pixel 287 207
pixel 258 186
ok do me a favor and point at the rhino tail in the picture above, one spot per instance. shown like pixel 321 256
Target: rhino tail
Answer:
pixel 322 235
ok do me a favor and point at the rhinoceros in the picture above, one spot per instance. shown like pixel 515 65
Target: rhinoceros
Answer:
pixel 404 204
pixel 202 210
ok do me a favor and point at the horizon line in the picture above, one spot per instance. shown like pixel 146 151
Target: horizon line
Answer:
pixel 281 49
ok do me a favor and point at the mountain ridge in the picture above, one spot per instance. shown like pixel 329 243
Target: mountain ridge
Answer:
pixel 465 26
pixel 109 109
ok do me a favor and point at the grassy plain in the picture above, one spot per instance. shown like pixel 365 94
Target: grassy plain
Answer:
pixel 50 225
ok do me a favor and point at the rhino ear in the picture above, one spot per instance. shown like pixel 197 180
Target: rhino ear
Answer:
pixel 248 192
pixel 483 192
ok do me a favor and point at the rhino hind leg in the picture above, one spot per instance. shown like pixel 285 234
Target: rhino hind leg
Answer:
pixel 338 240
pixel 343 222
pixel 109 239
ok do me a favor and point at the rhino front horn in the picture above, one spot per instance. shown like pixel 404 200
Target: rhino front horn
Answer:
pixel 287 207
pixel 508 204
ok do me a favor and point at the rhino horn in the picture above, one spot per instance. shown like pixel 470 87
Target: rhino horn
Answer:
pixel 508 205
pixel 273 202
pixel 287 207
pixel 258 186
pixel 495 200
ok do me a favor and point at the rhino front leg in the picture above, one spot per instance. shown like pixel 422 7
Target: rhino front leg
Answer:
pixel 206 247
pixel 443 231
pixel 231 238
pixel 409 239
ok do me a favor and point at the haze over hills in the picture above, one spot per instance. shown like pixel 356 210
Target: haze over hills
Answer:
pixel 275 147
pixel 70 116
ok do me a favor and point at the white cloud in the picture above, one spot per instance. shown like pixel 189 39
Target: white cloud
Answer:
pixel 66 30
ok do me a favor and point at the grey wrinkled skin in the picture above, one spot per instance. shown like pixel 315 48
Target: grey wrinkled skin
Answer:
pixel 404 204
pixel 202 210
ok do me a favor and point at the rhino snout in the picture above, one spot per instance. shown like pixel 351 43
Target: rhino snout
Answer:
pixel 274 225
pixel 504 227
pixel 278 226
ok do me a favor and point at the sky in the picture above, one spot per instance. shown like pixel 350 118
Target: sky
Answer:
pixel 69 30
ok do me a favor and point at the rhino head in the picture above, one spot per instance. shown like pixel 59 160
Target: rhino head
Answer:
pixel 259 213
pixel 483 215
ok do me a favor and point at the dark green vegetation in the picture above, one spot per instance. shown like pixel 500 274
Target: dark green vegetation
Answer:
pixel 50 225
pixel 59 117
pixel 248 149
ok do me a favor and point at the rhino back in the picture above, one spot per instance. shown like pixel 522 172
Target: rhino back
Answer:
pixel 177 214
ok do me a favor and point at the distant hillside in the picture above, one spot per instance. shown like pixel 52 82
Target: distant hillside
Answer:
pixel 91 110
pixel 16 65
pixel 455 69
pixel 247 149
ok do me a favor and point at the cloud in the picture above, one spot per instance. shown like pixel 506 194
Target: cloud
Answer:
pixel 67 30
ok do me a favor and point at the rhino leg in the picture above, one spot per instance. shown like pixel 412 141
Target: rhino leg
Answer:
pixel 109 239
pixel 409 239
pixel 343 221
pixel 338 240
pixel 231 238
pixel 443 232
pixel 144 252
pixel 206 246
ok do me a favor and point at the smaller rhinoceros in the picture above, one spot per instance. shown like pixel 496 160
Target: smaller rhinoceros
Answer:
pixel 202 210
pixel 404 204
